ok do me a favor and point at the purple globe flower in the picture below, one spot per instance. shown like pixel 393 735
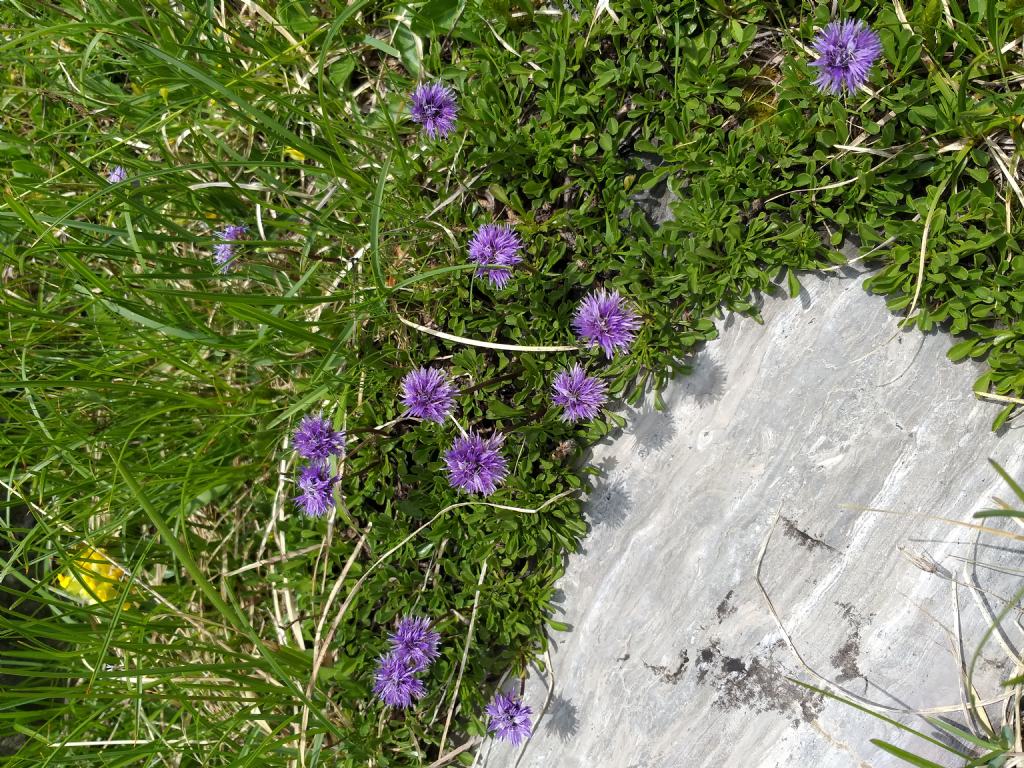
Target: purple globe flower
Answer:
pixel 316 440
pixel 496 249
pixel 580 396
pixel 846 52
pixel 117 175
pixel 395 682
pixel 415 642
pixel 603 319
pixel 317 486
pixel 224 252
pixel 434 107
pixel 428 395
pixel 475 464
pixel 509 718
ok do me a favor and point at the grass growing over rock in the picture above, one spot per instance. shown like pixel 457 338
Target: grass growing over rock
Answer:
pixel 150 397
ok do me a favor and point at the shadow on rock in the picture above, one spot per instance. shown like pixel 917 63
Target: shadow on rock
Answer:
pixel 706 383
pixel 650 428
pixel 562 717
pixel 608 503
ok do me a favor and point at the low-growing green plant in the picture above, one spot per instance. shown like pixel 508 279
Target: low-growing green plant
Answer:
pixel 150 398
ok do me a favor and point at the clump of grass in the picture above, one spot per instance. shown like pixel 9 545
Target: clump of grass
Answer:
pixel 282 239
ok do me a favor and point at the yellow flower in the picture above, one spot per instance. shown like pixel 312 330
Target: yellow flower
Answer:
pixel 91 577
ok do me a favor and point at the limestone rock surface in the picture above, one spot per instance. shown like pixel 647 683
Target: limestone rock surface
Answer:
pixel 786 432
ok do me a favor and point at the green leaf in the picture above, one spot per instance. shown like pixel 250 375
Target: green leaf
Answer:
pixel 157 325
pixel 498 410
pixel 410 45
pixel 930 16
pixel 961 734
pixel 794 284
pixel 961 350
pixel 1014 485
pixel 375 212
pixel 902 754
pixel 436 16
pixel 181 552
pixel 341 70
pixel 1004 414
pixel 381 46
pixel 999 513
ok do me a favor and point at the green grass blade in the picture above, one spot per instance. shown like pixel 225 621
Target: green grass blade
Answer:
pixel 902 754
pixel 1014 485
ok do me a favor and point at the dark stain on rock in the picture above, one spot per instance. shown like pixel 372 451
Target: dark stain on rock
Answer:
pixel 725 608
pixel 803 538
pixel 758 684
pixel 730 664
pixel 670 677
pixel 707 658
pixel 845 657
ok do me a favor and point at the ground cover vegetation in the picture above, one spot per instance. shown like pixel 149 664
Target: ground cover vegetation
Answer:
pixel 311 310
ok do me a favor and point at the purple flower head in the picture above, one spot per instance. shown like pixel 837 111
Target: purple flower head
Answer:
pixel 475 464
pixel 603 319
pixel 434 107
pixel 415 642
pixel 117 175
pixel 317 486
pixel 395 682
pixel 496 249
pixel 224 252
pixel 846 52
pixel 427 394
pixel 509 718
pixel 317 440
pixel 580 396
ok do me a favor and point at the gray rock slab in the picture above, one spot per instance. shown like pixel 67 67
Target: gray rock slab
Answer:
pixel 791 428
